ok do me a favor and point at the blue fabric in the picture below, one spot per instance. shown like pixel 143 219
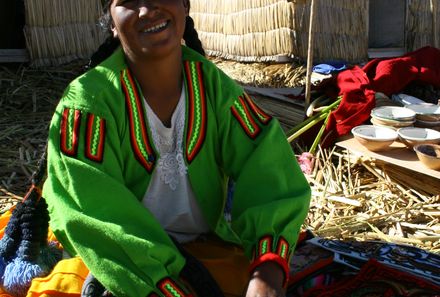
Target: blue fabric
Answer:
pixel 18 276
pixel 330 67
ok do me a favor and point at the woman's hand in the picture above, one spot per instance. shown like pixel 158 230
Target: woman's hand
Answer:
pixel 266 281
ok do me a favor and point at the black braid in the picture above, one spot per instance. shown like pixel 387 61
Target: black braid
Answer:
pixel 104 51
pixel 191 37
pixel 110 44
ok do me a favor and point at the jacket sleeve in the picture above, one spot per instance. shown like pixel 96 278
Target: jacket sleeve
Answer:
pixel 271 196
pixel 95 216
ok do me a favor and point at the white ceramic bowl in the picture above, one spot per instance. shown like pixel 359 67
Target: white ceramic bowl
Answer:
pixel 391 123
pixel 413 135
pixel 427 124
pixel 426 112
pixel 374 138
pixel 429 155
pixel 395 113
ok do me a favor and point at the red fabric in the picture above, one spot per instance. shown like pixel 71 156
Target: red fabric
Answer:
pixel 389 76
pixel 272 258
pixel 376 279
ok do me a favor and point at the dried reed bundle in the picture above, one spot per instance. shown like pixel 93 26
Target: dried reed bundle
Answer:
pixel 421 24
pixel 270 17
pixel 264 74
pixel 52 13
pixel 264 46
pixel 356 198
pixel 60 31
pixel 340 30
pixel 52 46
pixel 262 30
pixel 230 6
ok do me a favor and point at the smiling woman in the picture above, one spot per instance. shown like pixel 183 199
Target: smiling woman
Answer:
pixel 141 150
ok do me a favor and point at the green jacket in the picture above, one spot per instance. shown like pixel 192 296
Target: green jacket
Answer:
pixel 101 156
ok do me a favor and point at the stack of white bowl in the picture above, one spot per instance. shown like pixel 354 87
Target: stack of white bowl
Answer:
pixel 393 117
pixel 427 115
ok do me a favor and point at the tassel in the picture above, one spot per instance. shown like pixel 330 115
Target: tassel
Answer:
pixel 24 239
pixel 11 238
pixel 19 275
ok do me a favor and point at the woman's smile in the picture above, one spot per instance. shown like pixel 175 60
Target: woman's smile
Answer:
pixel 149 29
pixel 157 28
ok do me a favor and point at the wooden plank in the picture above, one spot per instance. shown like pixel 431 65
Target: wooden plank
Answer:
pixel 13 55
pixel 398 154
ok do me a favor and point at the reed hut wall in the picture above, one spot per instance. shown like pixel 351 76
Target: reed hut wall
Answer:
pixel 276 30
pixel 422 24
pixel 60 31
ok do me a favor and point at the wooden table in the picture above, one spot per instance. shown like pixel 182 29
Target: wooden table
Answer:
pixel 398 154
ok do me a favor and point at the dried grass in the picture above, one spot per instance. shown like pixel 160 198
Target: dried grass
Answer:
pixel 270 75
pixel 27 100
pixel 356 198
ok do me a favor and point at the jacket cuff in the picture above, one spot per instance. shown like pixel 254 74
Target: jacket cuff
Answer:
pixel 168 287
pixel 270 250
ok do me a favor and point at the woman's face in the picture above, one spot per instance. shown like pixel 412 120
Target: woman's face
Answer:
pixel 148 28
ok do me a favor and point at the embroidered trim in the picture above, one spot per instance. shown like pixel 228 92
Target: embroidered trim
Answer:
pixel 264 246
pixel 264 252
pixel 170 288
pixel 138 134
pixel 263 117
pixel 247 122
pixel 271 257
pixel 95 135
pixel 197 115
pixel 70 124
pixel 283 249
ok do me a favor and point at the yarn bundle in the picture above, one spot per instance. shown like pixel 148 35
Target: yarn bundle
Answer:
pixel 24 250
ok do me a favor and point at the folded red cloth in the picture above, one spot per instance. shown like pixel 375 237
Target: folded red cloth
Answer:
pixel 389 76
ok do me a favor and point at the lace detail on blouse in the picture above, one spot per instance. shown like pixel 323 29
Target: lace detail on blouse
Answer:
pixel 169 143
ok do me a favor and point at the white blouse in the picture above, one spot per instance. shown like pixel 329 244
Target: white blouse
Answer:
pixel 169 195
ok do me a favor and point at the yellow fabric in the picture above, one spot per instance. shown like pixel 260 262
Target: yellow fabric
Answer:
pixel 226 262
pixel 4 219
pixel 65 280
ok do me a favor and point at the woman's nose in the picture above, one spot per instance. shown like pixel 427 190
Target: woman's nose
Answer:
pixel 146 6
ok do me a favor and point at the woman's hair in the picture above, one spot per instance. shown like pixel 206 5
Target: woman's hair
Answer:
pixel 111 44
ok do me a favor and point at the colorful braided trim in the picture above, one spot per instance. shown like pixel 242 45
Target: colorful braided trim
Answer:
pixel 69 131
pixel 169 288
pixel 263 117
pixel 95 135
pixel 273 251
pixel 241 112
pixel 197 113
pixel 140 140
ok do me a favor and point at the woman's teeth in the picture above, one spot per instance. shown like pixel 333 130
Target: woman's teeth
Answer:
pixel 156 28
